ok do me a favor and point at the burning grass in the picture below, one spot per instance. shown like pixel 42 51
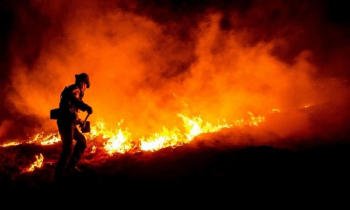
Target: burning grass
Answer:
pixel 162 87
pixel 38 163
pixel 121 140
pixel 104 145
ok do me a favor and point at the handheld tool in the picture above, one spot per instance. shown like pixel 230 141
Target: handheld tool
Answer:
pixel 85 127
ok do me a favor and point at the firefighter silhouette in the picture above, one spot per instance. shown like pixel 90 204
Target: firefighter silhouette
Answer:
pixel 67 121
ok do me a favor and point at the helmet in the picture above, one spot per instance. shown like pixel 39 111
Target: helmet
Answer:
pixel 83 77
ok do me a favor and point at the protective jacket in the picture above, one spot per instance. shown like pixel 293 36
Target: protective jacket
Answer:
pixel 71 101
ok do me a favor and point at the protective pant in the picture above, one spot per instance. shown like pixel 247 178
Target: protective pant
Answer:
pixel 68 132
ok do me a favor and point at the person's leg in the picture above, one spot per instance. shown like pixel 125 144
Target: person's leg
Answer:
pixel 66 133
pixel 78 149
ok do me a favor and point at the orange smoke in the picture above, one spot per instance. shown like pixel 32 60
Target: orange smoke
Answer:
pixel 157 83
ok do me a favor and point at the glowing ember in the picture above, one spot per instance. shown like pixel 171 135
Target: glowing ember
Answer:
pixel 307 106
pixel 255 120
pixel 38 163
pixel 252 121
pixel 93 149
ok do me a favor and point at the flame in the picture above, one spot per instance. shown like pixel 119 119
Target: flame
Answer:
pixel 10 144
pixel 38 163
pixel 118 143
pixel 165 138
pixel 169 138
pixel 39 138
pixel 44 140
pixel 121 141
pixel 140 70
pixel 255 120
pixel 93 149
pixel 194 126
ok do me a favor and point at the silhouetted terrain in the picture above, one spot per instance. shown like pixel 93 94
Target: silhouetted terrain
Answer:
pixel 189 170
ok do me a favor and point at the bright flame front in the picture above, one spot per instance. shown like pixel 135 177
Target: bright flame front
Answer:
pixel 121 140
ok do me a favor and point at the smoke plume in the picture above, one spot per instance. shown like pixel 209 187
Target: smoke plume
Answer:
pixel 149 61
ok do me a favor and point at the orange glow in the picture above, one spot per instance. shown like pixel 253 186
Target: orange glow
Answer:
pixel 127 74
pixel 121 140
pixel 93 149
pixel 307 106
pixel 118 142
pixel 166 89
pixel 174 137
pixel 44 140
pixel 9 144
pixel 38 163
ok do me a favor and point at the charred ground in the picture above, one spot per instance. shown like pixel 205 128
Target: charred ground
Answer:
pixel 189 169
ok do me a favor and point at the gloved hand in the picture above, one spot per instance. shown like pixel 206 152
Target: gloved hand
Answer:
pixel 80 123
pixel 89 110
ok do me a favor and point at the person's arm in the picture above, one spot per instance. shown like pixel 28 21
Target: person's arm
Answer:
pixel 74 97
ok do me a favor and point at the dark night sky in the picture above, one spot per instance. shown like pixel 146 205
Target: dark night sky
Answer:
pixel 325 24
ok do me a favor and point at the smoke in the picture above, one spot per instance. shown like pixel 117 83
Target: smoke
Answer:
pixel 148 62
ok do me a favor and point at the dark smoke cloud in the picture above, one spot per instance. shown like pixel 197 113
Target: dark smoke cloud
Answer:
pixel 33 29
